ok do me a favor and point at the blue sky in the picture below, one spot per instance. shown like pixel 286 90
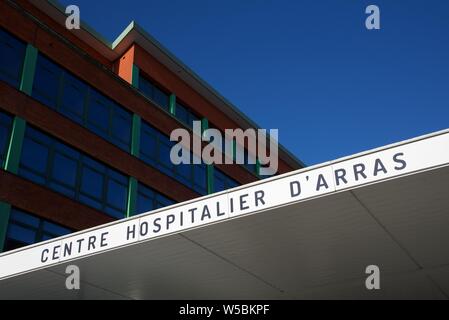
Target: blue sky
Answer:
pixel 308 68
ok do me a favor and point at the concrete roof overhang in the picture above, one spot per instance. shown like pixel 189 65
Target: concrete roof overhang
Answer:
pixel 315 243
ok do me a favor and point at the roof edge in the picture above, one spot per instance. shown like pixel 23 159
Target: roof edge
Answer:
pixel 236 114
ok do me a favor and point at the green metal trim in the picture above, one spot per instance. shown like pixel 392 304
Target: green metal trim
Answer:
pixel 135 135
pixel 132 197
pixel 29 68
pixel 5 209
pixel 209 167
pixel 15 145
pixel 258 168
pixel 204 125
pixel 135 76
pixel 173 104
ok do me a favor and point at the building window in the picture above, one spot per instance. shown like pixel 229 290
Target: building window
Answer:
pixel 222 181
pixel 149 199
pixel 66 94
pixel 48 162
pixel 155 150
pixel 251 167
pixel 12 55
pixel 185 115
pixel 154 93
pixel 25 229
pixel 5 133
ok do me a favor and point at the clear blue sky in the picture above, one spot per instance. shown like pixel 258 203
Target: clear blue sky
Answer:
pixel 308 68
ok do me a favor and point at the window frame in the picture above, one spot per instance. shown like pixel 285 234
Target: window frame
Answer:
pixel 65 78
pixel 170 170
pixel 40 231
pixel 49 179
pixel 19 48
pixel 6 123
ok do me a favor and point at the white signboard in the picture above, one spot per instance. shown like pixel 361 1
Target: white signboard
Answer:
pixel 390 162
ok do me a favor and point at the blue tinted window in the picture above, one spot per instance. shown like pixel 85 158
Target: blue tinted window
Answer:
pixel 64 169
pixel 98 114
pixel 155 150
pixel 148 144
pixel 19 233
pixel 34 155
pixel 200 178
pixel 24 218
pixel 185 115
pixel 5 133
pixel 12 54
pixel 249 166
pixel 185 172
pixel 46 82
pixel 64 92
pixel 114 212
pixel 162 201
pixel 48 162
pixel 117 194
pixel 149 199
pixel 121 127
pixel 252 167
pixel 25 229
pixel 151 91
pixel 92 183
pixel 53 230
pixel 73 98
pixel 161 98
pixel 222 181
pixel 182 114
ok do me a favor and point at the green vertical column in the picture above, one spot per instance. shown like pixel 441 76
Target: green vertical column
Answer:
pixel 5 209
pixel 258 168
pixel 135 135
pixel 210 178
pixel 209 167
pixel 173 104
pixel 135 151
pixel 132 197
pixel 29 68
pixel 135 76
pixel 15 145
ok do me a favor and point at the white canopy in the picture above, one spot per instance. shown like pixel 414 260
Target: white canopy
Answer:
pixel 306 234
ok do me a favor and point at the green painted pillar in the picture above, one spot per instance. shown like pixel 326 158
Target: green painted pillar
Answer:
pixel 173 104
pixel 135 76
pixel 5 209
pixel 210 178
pixel 258 168
pixel 135 151
pixel 135 135
pixel 29 68
pixel 209 167
pixel 15 145
pixel 132 197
